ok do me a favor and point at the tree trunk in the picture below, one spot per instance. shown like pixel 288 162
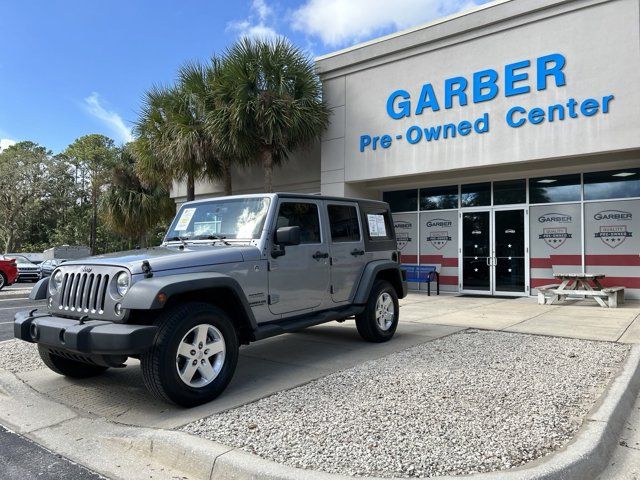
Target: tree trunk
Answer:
pixel 191 188
pixel 94 223
pixel 226 176
pixel 267 165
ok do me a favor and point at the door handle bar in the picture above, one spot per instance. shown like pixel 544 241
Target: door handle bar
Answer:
pixel 355 252
pixel 318 255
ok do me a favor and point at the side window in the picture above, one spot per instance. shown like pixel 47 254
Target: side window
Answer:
pixel 343 220
pixel 379 225
pixel 303 215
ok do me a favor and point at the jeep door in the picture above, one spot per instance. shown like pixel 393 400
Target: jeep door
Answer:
pixel 346 248
pixel 299 279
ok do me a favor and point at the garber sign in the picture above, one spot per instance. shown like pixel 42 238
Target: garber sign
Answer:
pixel 515 79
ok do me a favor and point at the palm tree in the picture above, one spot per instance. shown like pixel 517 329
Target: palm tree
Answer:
pixel 173 142
pixel 273 100
pixel 130 207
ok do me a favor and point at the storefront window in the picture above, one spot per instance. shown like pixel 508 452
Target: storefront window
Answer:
pixel 509 192
pixel 476 194
pixel 439 198
pixel 402 200
pixel 559 188
pixel 612 184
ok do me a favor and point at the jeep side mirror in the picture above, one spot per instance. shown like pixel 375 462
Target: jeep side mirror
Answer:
pixel 288 236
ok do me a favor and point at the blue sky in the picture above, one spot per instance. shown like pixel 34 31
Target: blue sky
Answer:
pixel 74 67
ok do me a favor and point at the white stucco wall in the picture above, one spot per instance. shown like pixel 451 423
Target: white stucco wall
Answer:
pixel 599 39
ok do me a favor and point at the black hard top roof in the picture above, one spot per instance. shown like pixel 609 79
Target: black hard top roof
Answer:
pixel 327 197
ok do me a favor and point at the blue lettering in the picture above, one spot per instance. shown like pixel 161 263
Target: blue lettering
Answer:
pixel 589 107
pixel 605 103
pixel 449 130
pixel 385 141
pixel 404 105
pixel 427 99
pixel 464 128
pixel 517 123
pixel 414 135
pixel 455 87
pixel 481 125
pixel 365 140
pixel 432 133
pixel 555 71
pixel 485 80
pixel 536 116
pixel 511 78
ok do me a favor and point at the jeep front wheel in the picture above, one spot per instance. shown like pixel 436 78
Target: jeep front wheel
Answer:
pixel 379 320
pixel 194 355
pixel 3 280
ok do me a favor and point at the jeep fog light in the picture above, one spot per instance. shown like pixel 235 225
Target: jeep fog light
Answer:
pixel 56 282
pixel 118 309
pixel 122 283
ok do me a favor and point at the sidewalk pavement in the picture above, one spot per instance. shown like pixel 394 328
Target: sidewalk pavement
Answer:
pixel 583 319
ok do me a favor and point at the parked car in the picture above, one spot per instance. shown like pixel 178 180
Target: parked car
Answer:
pixel 48 266
pixel 27 270
pixel 8 271
pixel 231 271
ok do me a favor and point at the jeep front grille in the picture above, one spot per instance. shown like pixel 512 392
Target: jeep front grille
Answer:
pixel 84 292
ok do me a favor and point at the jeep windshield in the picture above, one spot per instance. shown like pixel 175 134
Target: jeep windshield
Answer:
pixel 220 220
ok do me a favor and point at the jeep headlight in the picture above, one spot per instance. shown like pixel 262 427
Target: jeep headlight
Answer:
pixel 123 282
pixel 56 282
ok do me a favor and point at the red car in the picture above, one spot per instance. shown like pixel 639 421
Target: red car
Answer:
pixel 8 271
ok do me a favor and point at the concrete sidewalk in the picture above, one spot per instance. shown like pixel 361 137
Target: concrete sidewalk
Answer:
pixel 576 319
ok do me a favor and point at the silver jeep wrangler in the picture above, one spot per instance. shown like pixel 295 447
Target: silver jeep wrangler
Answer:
pixel 231 270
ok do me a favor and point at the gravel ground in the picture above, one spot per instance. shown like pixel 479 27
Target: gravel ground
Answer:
pixel 472 402
pixel 17 356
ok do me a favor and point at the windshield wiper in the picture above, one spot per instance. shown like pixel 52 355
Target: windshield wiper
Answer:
pixel 178 239
pixel 212 237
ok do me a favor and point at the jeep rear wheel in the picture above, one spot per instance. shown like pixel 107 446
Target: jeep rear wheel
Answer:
pixel 67 367
pixel 3 280
pixel 379 320
pixel 194 354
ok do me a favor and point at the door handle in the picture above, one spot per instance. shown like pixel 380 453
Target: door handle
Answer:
pixel 355 252
pixel 318 255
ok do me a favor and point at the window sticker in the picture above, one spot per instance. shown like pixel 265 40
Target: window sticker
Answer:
pixel 185 219
pixel 377 227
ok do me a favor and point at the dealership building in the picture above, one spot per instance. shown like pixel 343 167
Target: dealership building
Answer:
pixel 506 140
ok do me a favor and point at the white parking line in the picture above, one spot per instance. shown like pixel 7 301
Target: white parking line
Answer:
pixel 5 323
pixel 13 299
pixel 19 307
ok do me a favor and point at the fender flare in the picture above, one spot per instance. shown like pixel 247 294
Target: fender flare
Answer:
pixel 143 294
pixel 369 275
pixel 40 290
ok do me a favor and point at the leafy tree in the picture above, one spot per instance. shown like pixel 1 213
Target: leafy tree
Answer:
pixel 22 176
pixel 92 157
pixel 131 208
pixel 274 98
pixel 174 142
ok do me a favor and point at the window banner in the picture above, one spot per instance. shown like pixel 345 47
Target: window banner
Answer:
pixel 406 227
pixel 555 239
pixel 612 243
pixel 439 245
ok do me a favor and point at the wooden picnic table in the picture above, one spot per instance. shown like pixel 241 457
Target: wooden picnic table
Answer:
pixel 581 285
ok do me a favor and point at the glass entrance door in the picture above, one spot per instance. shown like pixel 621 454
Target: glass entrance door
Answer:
pixel 493 251
pixel 509 252
pixel 476 252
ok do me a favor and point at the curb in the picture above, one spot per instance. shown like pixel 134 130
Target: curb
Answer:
pixel 585 456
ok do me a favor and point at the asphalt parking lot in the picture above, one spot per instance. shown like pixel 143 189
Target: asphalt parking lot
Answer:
pixel 12 300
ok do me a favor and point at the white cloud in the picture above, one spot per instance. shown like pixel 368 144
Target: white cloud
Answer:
pixel 258 24
pixel 6 143
pixel 340 22
pixel 95 107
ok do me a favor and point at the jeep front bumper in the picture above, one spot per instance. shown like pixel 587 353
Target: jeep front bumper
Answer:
pixel 95 337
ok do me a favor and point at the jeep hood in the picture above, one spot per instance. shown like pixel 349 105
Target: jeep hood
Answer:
pixel 173 257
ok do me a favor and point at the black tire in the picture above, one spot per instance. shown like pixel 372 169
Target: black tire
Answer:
pixel 366 322
pixel 160 363
pixel 3 280
pixel 67 367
